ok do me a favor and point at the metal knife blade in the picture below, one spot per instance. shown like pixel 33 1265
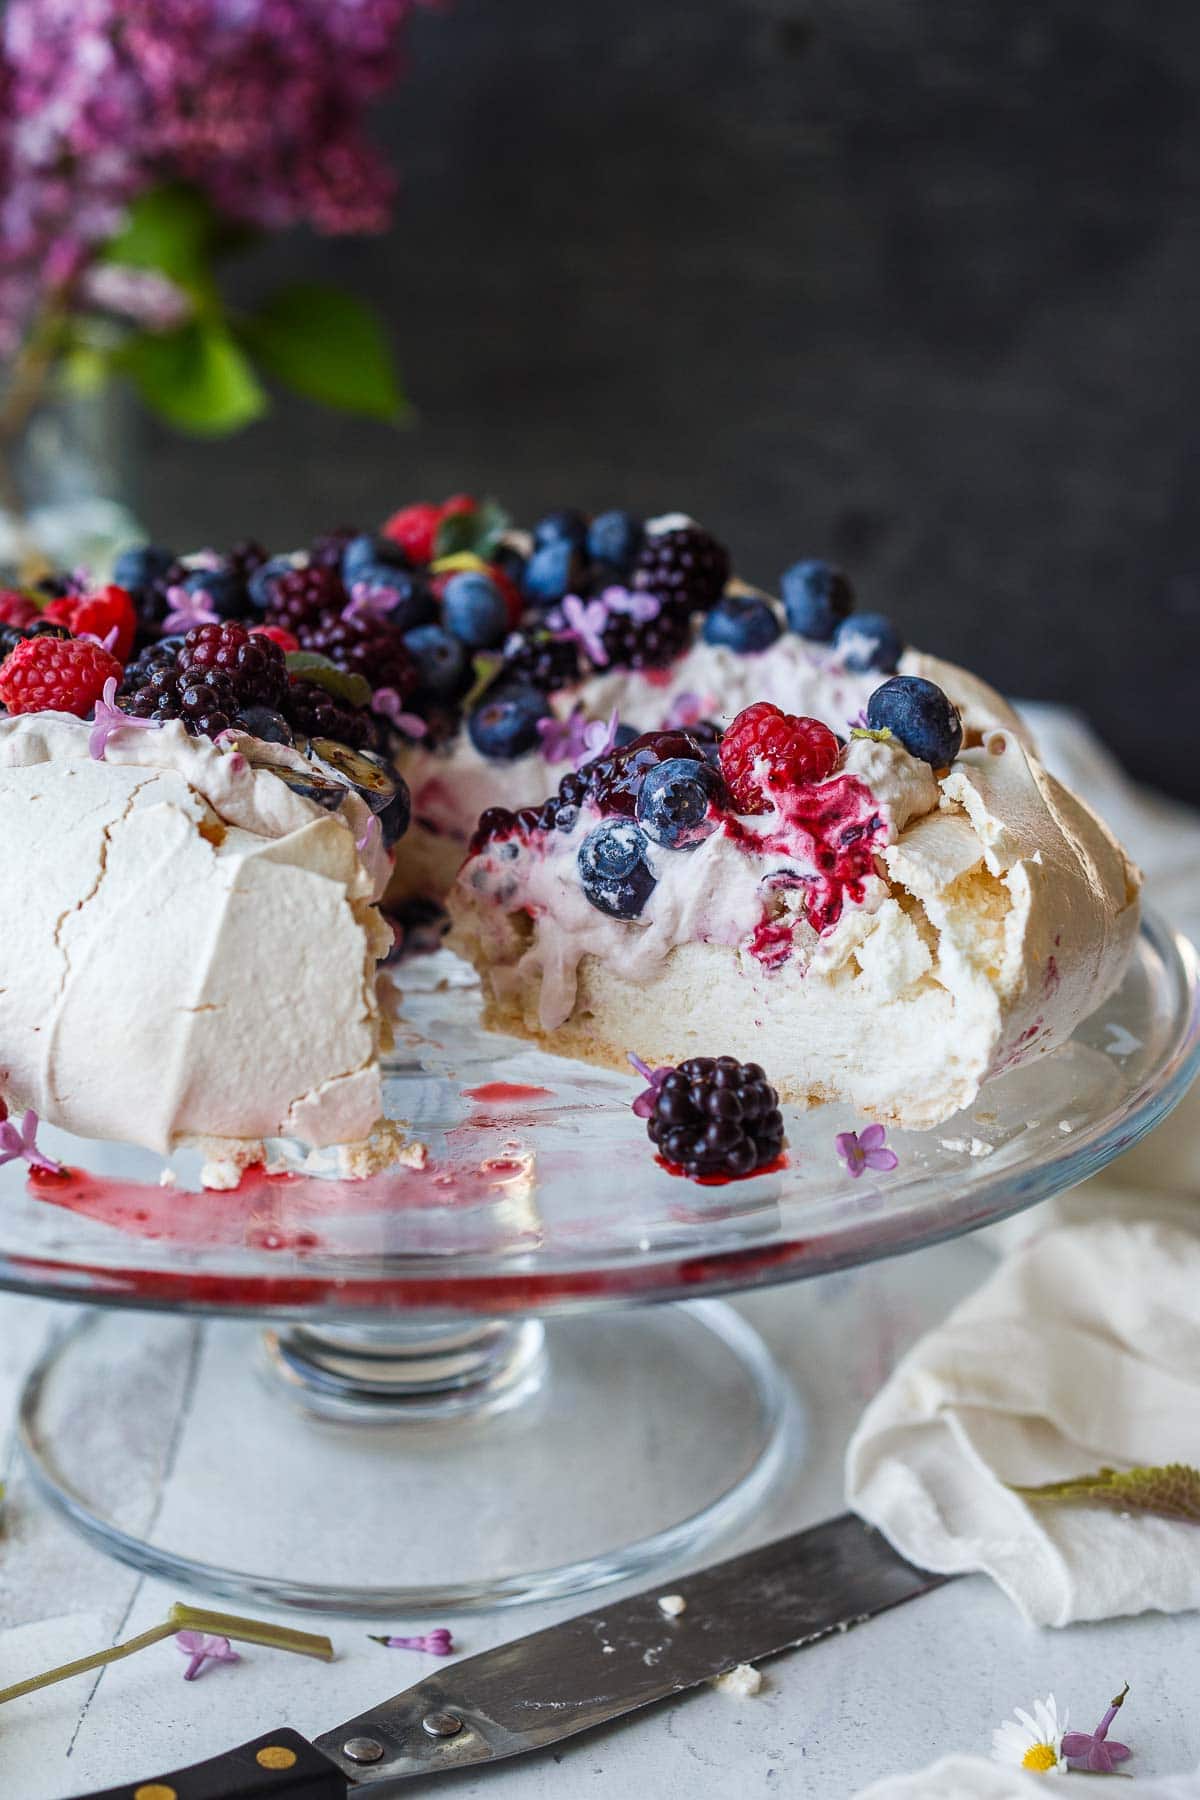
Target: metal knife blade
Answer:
pixel 594 1668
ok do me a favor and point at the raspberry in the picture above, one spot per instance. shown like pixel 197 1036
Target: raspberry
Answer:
pixel 16 609
pixel 414 528
pixel 766 751
pixel 50 674
pixel 278 635
pixel 254 665
pixel 714 1117
pixel 302 594
pixel 686 567
pixel 95 615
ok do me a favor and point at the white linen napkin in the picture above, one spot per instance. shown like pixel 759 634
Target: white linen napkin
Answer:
pixel 1083 1349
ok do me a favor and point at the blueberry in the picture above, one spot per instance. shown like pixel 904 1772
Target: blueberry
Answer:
pixel 396 814
pixel 442 665
pixel 137 568
pixel 504 724
pixel 614 538
pixel 815 598
pixel 370 553
pixel 741 622
pixel 673 800
pixel 223 590
pixel 613 868
pixel 566 526
pixel 551 572
pixel 260 585
pixel 868 641
pixel 625 734
pixel 412 599
pixel 263 722
pixel 473 609
pixel 920 715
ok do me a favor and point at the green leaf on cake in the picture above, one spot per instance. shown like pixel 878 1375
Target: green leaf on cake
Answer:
pixel 343 684
pixel 1170 1491
pixel 196 378
pixel 476 532
pixel 328 346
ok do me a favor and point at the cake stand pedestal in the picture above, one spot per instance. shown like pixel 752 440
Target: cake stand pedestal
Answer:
pixel 443 1388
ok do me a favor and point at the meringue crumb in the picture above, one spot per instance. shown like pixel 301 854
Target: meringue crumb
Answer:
pixel 972 1146
pixel 1065 1126
pixel 168 1179
pixel 741 1682
pixel 672 1605
pixel 227 1159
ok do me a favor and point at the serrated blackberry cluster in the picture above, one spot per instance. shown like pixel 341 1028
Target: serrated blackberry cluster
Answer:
pixel 686 568
pixel 327 549
pixel 207 679
pixel 544 661
pixel 716 1117
pixel 313 711
pixel 303 594
pixel 12 635
pixel 646 643
pixel 375 651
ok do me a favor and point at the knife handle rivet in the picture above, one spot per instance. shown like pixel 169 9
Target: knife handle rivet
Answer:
pixel 442 1724
pixel 362 1750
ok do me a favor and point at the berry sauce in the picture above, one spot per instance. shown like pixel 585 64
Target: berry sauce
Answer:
pixel 770 1168
pixel 835 828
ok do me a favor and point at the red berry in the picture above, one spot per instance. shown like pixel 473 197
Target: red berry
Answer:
pixel 286 641
pixel 458 503
pixel 766 751
pixel 510 594
pixel 16 609
pixel 414 528
pixel 95 615
pixel 48 674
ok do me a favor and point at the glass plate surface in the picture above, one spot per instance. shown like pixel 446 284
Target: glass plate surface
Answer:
pixel 540 1192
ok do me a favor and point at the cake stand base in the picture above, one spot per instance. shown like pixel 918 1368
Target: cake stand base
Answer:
pixel 394 1471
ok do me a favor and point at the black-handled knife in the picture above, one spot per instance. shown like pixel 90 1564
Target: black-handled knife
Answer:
pixel 583 1672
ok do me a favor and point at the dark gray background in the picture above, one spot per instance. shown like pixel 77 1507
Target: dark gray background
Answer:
pixel 911 284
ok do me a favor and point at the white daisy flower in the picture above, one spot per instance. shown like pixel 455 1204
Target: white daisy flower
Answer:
pixel 1032 1742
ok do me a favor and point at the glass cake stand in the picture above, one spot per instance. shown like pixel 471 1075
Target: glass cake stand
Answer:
pixel 443 1387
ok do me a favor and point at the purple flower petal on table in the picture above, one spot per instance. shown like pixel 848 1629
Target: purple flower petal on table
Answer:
pixel 437 1642
pixel 201 1649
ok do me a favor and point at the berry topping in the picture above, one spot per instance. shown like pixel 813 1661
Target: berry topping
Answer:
pixel 715 1116
pixel 265 723
pixel 368 558
pixel 613 868
pixel 414 528
pixel 685 566
pixel 97 615
pixel 631 641
pixel 614 781
pixel 566 526
pixel 260 585
pixel 253 661
pixel 300 595
pixel 221 591
pixel 504 725
pixel 542 660
pixel 868 641
pixel 142 566
pixel 920 716
pixel 475 610
pixel 277 634
pixel 51 674
pixel 441 661
pixel 17 609
pixel 314 712
pixel 673 802
pixel 554 570
pixel 766 752
pixel 816 598
pixel 741 622
pixel 614 540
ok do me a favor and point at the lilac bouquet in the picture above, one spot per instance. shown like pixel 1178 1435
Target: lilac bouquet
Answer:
pixel 140 140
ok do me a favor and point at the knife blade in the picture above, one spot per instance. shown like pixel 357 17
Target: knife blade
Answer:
pixel 583 1672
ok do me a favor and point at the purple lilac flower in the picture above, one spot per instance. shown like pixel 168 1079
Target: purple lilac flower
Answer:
pixel 259 104
pixel 200 1650
pixel 189 607
pixel 437 1642
pixel 584 621
pixel 369 604
pixel 577 739
pixel 647 1100
pixel 1091 1751
pixel 688 709
pixel 387 701
pixel 865 1150
pixel 19 1144
pixel 109 718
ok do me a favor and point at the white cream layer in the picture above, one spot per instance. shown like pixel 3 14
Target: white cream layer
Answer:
pixel 189 947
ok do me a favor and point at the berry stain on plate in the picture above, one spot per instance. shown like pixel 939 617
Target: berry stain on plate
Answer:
pixel 500 1093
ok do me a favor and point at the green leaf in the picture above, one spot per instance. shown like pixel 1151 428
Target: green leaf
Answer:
pixel 1171 1490
pixel 172 229
pixel 476 532
pixel 344 684
pixel 484 669
pixel 196 378
pixel 328 346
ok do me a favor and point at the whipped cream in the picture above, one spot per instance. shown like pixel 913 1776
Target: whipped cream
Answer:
pixel 190 946
pixel 991 913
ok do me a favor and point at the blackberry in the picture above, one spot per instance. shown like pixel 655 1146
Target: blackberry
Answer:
pixel 686 567
pixel 314 712
pixel 543 661
pixel 246 556
pixel 304 594
pixel 12 635
pixel 254 664
pixel 326 551
pixel 646 643
pixel 160 654
pixel 375 651
pixel 716 1117
pixel 205 700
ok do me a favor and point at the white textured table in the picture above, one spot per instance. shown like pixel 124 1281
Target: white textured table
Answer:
pixel 931 1677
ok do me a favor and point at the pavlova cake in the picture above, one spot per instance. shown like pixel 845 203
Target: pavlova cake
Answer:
pixel 670 815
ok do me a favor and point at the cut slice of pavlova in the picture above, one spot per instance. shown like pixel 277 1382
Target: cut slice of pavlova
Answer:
pixel 886 921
